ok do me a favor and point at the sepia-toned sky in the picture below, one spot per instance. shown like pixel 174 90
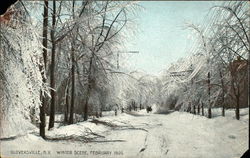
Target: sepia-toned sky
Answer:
pixel 162 38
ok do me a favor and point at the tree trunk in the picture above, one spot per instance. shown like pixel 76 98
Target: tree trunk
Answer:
pixel 209 91
pixel 71 116
pixel 223 109
pixel 198 108
pixel 86 105
pixel 248 94
pixel 189 108
pixel 66 105
pixel 42 118
pixel 52 72
pixel 45 44
pixel 223 93
pixel 194 110
pixel 88 89
pixel 72 106
pixel 237 110
pixel 100 114
pixel 209 113
pixel 202 109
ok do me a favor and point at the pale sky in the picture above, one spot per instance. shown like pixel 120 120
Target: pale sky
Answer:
pixel 161 37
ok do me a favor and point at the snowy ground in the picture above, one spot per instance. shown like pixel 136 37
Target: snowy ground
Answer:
pixel 139 134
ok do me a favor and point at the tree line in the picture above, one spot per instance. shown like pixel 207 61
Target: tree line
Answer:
pixel 219 75
pixel 76 57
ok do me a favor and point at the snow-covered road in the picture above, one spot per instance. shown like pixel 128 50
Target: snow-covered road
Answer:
pixel 177 134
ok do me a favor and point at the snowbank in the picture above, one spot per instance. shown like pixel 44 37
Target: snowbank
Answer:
pixel 147 135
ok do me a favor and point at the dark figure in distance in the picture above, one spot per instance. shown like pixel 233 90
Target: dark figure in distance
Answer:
pixel 149 109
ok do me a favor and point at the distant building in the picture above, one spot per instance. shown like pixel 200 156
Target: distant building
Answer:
pixel 238 69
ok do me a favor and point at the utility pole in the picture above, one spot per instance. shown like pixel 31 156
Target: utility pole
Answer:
pixel 129 52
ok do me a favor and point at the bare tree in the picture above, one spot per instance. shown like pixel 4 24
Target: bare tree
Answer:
pixel 45 45
pixel 52 69
pixel 233 37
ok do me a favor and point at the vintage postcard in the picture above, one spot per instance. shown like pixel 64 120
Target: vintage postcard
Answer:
pixel 124 79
